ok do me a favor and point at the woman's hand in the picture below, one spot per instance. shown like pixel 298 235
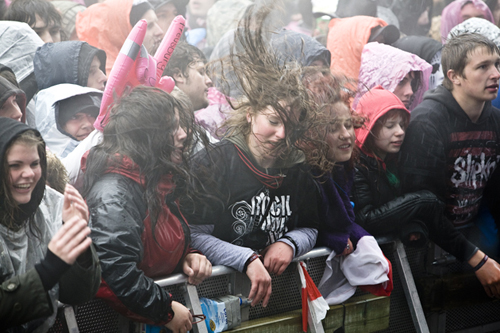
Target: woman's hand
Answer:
pixel 261 283
pixel 197 267
pixel 71 240
pixel 74 205
pixel 183 319
pixel 277 257
pixel 348 249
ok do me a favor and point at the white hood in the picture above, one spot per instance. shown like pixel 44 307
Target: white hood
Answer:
pixel 45 122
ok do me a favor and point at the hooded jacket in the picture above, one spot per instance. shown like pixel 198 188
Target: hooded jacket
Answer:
pixel 65 62
pixel 452 15
pixel 346 39
pixel 7 89
pixel 105 26
pixel 30 305
pixel 380 206
pixel 232 11
pixel 446 153
pixel 130 255
pixel 47 110
pixel 18 43
pixel 251 207
pixel 287 45
pixel 386 66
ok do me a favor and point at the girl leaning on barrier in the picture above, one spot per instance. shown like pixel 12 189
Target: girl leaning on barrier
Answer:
pixel 264 207
pixel 133 180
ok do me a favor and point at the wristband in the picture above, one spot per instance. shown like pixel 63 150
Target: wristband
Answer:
pixel 250 260
pixel 481 263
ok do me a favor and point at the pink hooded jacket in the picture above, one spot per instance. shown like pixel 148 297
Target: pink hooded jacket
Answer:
pixel 373 105
pixel 386 66
pixel 452 15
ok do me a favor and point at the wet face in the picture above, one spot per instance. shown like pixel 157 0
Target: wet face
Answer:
pixel 195 85
pixel 479 81
pixel 267 132
pixel 404 89
pixel 24 171
pixel 10 109
pixel 97 78
pixel 340 135
pixel 468 11
pixel 389 133
pixel 166 15
pixel 49 33
pixel 199 8
pixel 179 137
pixel 154 34
pixel 80 125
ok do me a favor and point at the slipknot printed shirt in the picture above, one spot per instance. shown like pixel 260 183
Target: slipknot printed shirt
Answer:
pixel 471 160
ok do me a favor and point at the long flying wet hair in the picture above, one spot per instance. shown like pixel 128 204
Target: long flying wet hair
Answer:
pixel 264 82
pixel 328 92
pixel 142 125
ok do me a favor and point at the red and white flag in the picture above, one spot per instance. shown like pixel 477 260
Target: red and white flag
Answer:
pixel 311 298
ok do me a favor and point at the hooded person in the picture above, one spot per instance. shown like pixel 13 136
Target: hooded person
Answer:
pixel 285 44
pixel 12 101
pixel 402 73
pixel 459 11
pixel 34 273
pixel 427 49
pixel 56 107
pixel 347 37
pixel 71 62
pixel 379 203
pixel 18 43
pixel 106 26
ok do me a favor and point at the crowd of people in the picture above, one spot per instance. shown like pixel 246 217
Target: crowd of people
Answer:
pixel 291 126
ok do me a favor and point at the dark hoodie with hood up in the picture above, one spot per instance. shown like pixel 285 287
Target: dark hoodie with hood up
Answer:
pixel 65 62
pixel 380 206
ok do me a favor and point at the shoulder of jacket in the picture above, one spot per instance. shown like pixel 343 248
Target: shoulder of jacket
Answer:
pixel 112 186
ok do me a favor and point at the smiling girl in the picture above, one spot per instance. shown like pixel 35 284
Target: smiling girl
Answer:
pixel 353 249
pixel 42 259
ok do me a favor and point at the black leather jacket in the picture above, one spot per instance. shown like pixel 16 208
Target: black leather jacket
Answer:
pixel 380 208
